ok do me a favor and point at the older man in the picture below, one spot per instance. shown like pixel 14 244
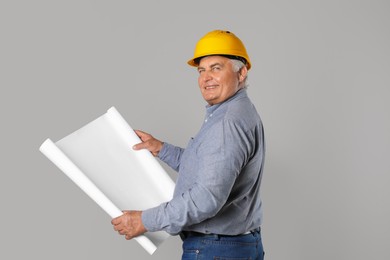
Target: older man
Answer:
pixel 216 207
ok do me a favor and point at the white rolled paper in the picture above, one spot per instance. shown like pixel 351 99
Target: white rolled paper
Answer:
pixel 100 160
pixel 55 155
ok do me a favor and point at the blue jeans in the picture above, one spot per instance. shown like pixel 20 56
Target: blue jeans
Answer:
pixel 219 247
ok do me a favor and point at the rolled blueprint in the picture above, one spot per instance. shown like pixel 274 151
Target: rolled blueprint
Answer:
pixel 100 160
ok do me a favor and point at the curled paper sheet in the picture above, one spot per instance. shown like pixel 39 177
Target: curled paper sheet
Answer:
pixel 100 160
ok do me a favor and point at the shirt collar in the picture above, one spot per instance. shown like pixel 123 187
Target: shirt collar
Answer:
pixel 240 93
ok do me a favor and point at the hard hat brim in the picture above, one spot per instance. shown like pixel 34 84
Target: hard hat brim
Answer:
pixel 194 62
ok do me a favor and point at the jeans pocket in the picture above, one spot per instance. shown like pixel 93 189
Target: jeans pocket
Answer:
pixel 190 254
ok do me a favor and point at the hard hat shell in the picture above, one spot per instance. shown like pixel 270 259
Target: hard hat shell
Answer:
pixel 219 42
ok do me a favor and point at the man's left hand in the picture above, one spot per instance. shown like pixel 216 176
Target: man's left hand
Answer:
pixel 129 224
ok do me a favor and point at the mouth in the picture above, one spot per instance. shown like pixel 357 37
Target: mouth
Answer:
pixel 210 87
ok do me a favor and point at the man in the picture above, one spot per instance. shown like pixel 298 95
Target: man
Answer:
pixel 216 207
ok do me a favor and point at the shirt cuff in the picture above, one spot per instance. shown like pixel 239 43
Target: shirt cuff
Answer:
pixel 164 151
pixel 149 219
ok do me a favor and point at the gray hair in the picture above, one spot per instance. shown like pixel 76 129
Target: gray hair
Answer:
pixel 237 66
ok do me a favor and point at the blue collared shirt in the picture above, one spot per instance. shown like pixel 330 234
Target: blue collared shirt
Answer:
pixel 220 171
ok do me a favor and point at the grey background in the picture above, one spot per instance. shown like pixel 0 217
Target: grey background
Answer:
pixel 320 79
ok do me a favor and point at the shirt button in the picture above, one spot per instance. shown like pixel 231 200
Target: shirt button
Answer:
pixel 197 251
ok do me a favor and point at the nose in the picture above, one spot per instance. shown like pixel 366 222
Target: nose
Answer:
pixel 206 76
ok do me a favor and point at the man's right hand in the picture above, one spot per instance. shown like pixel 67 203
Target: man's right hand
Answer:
pixel 148 142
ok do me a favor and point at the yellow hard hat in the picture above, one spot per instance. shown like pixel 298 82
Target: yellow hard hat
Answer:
pixel 222 43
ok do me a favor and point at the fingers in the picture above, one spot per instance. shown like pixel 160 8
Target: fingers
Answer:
pixel 129 224
pixel 145 137
pixel 148 142
pixel 119 223
pixel 116 221
pixel 118 227
pixel 141 134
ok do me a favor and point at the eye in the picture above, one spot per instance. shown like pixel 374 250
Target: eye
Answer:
pixel 216 68
pixel 200 71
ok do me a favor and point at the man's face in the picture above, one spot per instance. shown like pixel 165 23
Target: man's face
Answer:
pixel 217 79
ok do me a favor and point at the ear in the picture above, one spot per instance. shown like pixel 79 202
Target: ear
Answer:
pixel 243 73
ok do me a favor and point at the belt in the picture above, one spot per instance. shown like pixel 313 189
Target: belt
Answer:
pixel 185 234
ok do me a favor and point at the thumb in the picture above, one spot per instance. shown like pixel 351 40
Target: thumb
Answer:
pixel 140 146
